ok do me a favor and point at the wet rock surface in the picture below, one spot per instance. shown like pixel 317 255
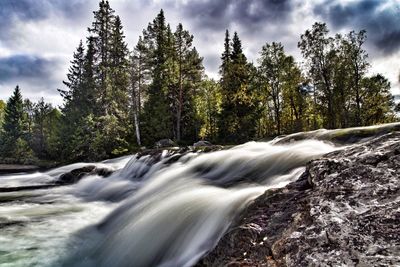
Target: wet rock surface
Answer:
pixel 77 174
pixel 343 211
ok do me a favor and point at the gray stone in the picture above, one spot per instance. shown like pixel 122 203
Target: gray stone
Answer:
pixel 164 143
pixel 343 211
pixel 202 143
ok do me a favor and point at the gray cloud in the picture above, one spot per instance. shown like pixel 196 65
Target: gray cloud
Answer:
pixel 25 67
pixel 29 10
pixel 37 77
pixel 217 15
pixel 379 17
pixel 55 26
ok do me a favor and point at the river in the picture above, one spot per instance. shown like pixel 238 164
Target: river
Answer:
pixel 147 213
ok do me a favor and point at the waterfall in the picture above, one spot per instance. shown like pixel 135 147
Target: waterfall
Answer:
pixel 164 212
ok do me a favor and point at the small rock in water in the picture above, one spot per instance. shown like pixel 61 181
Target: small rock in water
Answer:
pixel 75 175
pixel 202 143
pixel 164 143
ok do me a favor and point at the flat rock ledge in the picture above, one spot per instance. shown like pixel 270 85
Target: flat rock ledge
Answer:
pixel 343 211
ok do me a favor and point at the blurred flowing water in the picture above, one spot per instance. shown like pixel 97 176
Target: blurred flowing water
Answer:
pixel 147 213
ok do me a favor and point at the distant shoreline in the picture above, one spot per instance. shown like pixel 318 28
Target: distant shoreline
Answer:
pixel 15 168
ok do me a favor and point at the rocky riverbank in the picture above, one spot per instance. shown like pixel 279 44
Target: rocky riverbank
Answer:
pixel 15 168
pixel 343 211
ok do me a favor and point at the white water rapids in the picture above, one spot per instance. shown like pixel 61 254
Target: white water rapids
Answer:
pixel 146 213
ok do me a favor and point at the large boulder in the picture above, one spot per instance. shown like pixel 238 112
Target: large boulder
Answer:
pixel 343 211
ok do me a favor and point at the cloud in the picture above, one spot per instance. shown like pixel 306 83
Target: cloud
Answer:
pixel 40 9
pixel 217 15
pixel 379 17
pixel 36 75
pixel 25 66
pixel 38 37
pixel 12 11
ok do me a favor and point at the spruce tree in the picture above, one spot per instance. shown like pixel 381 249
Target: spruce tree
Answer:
pixel 101 34
pixel 74 103
pixel 157 119
pixel 238 108
pixel 140 78
pixel 40 130
pixel 226 118
pixel 74 76
pixel 189 72
pixel 117 95
pixel 13 143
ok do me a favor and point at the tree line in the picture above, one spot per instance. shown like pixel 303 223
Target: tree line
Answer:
pixel 117 100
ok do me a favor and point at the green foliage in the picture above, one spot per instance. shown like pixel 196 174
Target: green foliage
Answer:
pixel 13 127
pixel 156 118
pixel 337 68
pixel 208 106
pixel 116 100
pixel 96 109
pixel 2 111
pixel 170 70
pixel 238 107
pixel 378 104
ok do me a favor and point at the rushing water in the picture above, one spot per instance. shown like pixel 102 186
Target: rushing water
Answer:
pixel 146 213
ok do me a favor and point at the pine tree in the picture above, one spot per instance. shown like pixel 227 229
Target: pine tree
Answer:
pixel 28 119
pixel 101 34
pixel 75 76
pixel 226 118
pixel 238 108
pixel 75 101
pixel 189 72
pixel 117 95
pixel 13 143
pixel 96 109
pixel 89 94
pixel 157 120
pixel 226 57
pixel 40 129
pixel 139 81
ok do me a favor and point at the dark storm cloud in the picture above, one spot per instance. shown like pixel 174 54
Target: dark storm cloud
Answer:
pixel 217 15
pixel 26 67
pixel 29 10
pixel 381 19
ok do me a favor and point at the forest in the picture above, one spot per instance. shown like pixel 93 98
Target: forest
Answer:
pixel 118 100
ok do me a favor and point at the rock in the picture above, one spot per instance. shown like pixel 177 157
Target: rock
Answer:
pixel 202 143
pixel 164 143
pixel 75 175
pixel 343 211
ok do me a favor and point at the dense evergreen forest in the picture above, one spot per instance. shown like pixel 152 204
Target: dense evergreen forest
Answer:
pixel 117 100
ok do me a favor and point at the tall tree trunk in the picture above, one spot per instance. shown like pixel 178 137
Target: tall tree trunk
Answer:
pixel 180 102
pixel 137 130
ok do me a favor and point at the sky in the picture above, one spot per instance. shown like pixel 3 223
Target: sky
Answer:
pixel 38 37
